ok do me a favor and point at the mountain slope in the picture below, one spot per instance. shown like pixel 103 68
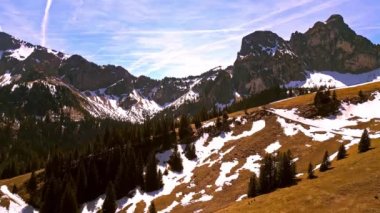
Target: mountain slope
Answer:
pixel 352 185
pixel 220 174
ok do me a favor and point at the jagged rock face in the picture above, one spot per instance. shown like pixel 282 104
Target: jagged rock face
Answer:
pixel 265 60
pixel 333 45
pixel 85 75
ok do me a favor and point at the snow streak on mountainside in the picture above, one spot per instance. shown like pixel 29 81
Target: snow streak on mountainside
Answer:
pixel 335 79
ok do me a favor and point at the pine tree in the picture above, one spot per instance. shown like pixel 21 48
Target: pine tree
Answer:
pixel 365 142
pixel 218 123
pixel 310 172
pixel 267 178
pixel 252 186
pixel 325 162
pixel 152 208
pixel 52 194
pixel 225 117
pixel 185 130
pixel 153 176
pixel 361 96
pixel 81 182
pixel 32 183
pixel 341 152
pixel 197 122
pixel 109 205
pixel 175 161
pixel 69 201
pixel 190 151
pixel 285 172
pixel 14 189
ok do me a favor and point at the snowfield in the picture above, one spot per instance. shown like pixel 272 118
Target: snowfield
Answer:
pixel 350 115
pixel 334 79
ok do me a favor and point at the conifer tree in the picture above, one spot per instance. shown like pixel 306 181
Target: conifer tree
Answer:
pixel 341 152
pixel 190 151
pixel 361 96
pixel 267 178
pixel 225 117
pixel 152 208
pixel 175 161
pixel 325 162
pixel 69 201
pixel 32 183
pixel 185 129
pixel 109 205
pixel 365 142
pixel 14 189
pixel 153 177
pixel 285 170
pixel 252 186
pixel 218 123
pixel 310 172
pixel 81 182
pixel 197 122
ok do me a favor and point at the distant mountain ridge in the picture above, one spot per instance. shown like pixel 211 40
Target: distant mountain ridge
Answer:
pixel 265 60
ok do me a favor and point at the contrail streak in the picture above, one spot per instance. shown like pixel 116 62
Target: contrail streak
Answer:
pixel 45 22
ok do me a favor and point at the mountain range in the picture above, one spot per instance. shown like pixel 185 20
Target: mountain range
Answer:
pixel 35 80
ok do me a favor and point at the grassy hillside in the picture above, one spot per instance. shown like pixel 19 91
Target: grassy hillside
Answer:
pixel 352 185
pixel 352 179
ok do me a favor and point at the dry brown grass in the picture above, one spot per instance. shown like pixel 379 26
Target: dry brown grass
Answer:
pixel 351 186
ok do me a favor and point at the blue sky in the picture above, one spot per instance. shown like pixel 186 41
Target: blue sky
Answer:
pixel 176 38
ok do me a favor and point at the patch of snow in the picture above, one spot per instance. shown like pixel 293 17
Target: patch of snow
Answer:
pixel 252 165
pixel 16 203
pixel 22 53
pixel 273 147
pixel 186 200
pixel 5 79
pixel 334 79
pixel 291 129
pixel 169 208
pixel 241 197
pixel 208 124
pixel 225 168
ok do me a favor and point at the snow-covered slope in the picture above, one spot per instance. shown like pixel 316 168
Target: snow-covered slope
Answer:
pixel 205 147
pixel 16 203
pixel 335 79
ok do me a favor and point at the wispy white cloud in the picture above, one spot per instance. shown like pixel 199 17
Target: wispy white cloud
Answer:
pixel 45 21
pixel 174 38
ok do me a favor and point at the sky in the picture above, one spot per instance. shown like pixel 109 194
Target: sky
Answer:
pixel 175 38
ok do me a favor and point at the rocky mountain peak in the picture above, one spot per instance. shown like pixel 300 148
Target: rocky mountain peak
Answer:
pixel 333 45
pixel 335 18
pixel 262 43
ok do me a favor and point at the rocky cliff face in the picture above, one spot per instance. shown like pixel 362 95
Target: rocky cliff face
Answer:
pixel 333 45
pixel 265 60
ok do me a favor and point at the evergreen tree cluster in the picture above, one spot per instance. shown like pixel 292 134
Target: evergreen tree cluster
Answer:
pixel 123 160
pixel 275 172
pixel 325 102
